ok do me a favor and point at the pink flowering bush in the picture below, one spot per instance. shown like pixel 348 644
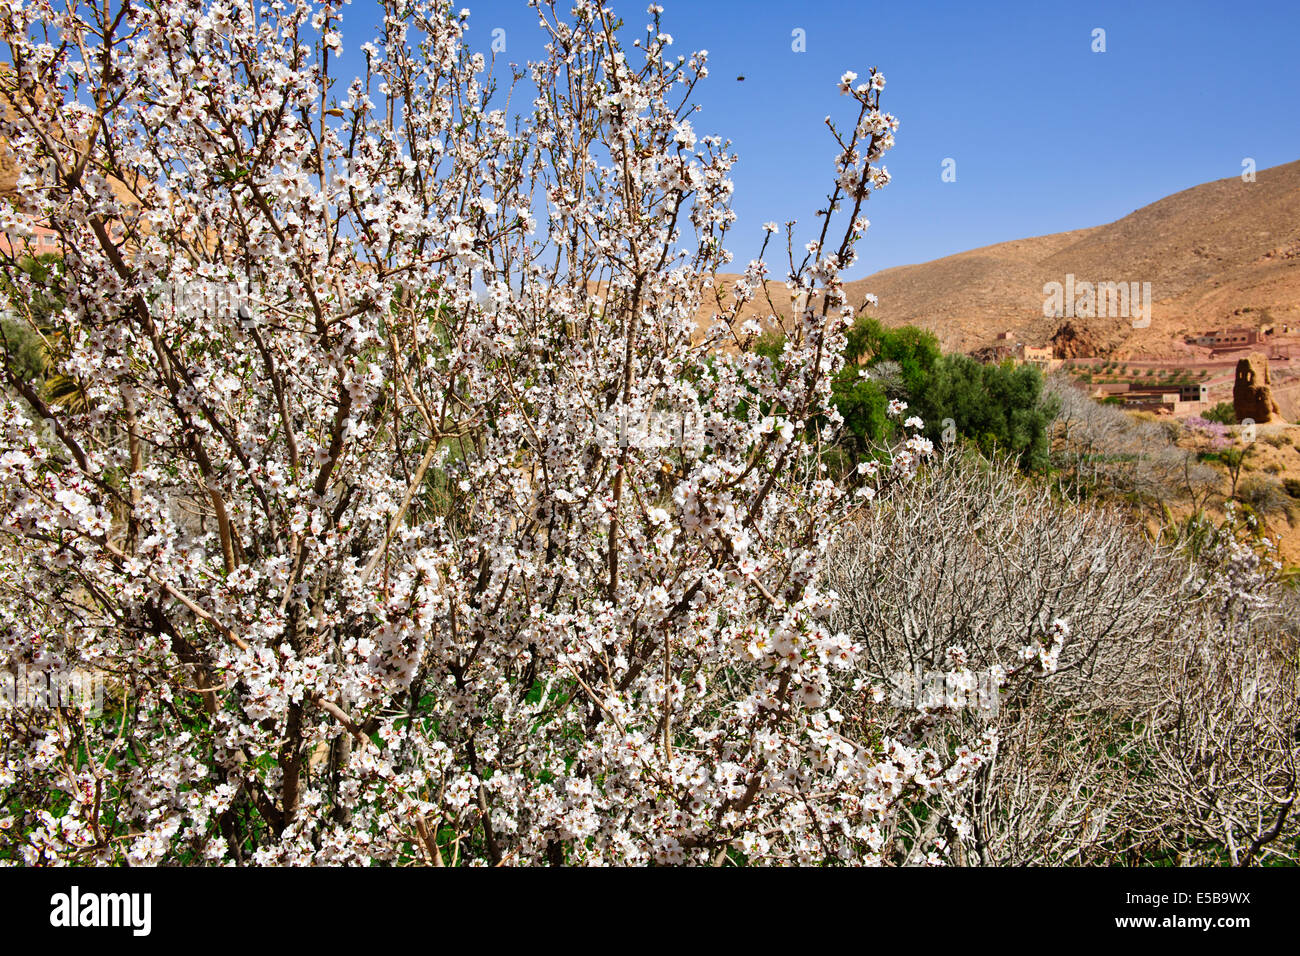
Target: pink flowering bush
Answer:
pixel 1213 434
pixel 407 507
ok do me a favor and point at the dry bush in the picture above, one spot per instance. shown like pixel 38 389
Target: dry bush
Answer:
pixel 1102 449
pixel 1223 747
pixel 1158 730
pixel 1266 497
pixel 969 555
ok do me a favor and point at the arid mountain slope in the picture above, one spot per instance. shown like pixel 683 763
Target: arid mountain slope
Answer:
pixel 1222 253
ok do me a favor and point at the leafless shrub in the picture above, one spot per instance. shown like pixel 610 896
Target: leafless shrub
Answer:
pixel 1266 497
pixel 1101 448
pixel 971 555
pixel 1158 728
pixel 1223 747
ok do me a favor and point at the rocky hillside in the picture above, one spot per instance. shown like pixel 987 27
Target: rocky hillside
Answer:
pixel 1225 252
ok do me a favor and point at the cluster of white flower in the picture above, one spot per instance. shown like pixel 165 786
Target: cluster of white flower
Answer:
pixel 379 572
pixel 1047 655
pixel 1238 565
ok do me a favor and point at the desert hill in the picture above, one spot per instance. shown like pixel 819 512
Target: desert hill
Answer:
pixel 1222 253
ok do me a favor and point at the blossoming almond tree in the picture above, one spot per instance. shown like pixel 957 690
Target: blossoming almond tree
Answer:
pixel 409 510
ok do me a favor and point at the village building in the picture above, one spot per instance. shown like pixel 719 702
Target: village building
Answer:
pixel 1237 337
pixel 1040 356
pixel 1175 400
pixel 43 241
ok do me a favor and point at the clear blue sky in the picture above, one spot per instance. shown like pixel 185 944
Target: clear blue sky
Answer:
pixel 1047 135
